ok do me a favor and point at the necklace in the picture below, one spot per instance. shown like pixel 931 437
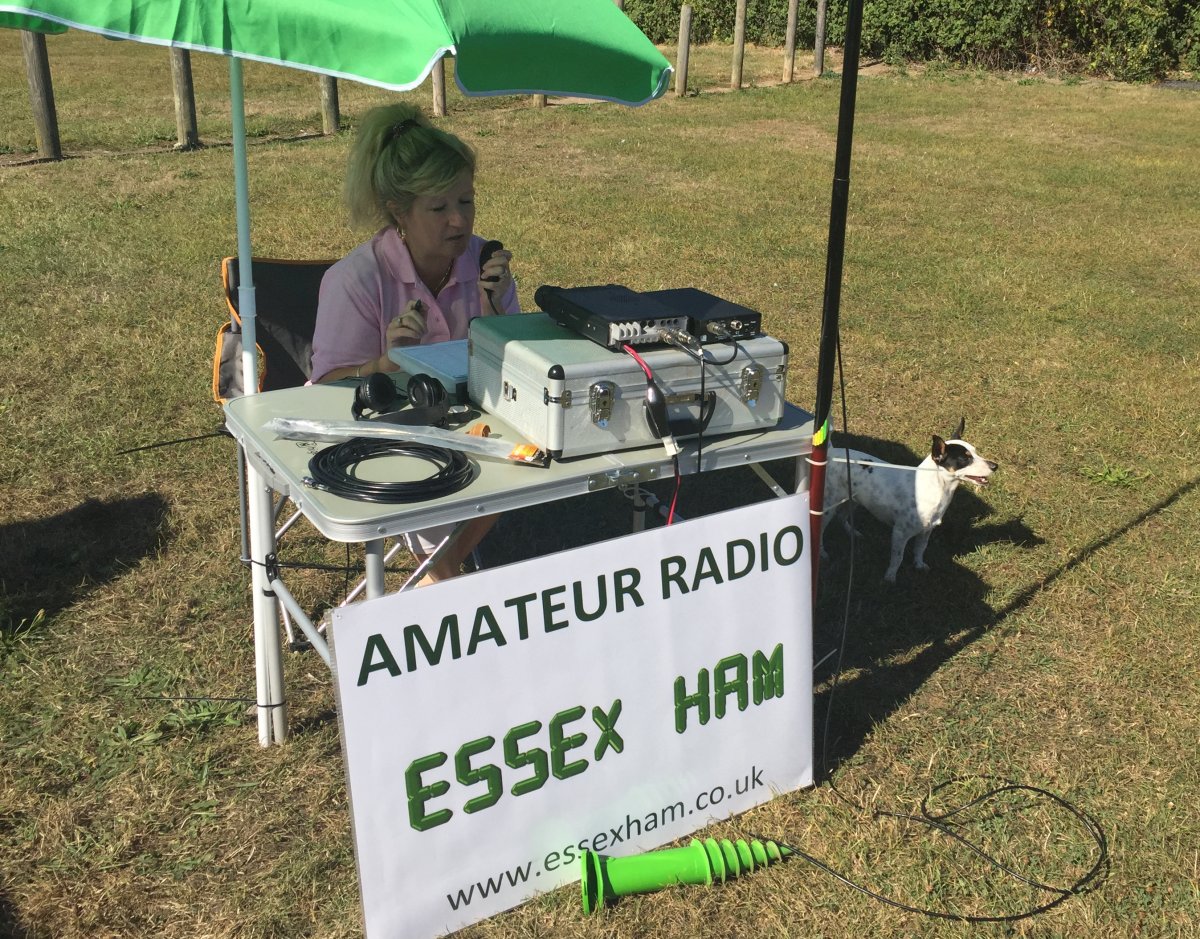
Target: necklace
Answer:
pixel 445 279
pixel 435 290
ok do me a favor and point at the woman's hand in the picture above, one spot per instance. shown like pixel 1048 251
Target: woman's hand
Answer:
pixel 407 328
pixel 495 280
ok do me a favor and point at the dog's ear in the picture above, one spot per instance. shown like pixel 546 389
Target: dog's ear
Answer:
pixel 961 429
pixel 939 449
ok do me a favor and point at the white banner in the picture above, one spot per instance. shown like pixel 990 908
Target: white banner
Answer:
pixel 612 698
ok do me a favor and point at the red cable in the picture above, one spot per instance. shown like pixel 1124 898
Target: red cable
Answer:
pixel 675 494
pixel 640 361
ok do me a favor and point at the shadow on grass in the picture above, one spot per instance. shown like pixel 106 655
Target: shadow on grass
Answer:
pixel 542 530
pixel 51 562
pixel 900 635
pixel 10 922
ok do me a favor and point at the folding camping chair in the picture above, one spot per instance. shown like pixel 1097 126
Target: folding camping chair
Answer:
pixel 285 294
pixel 286 304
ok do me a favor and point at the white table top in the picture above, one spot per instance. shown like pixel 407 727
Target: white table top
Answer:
pixel 497 486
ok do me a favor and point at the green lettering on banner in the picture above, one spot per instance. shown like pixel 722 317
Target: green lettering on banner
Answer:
pixel 607 722
pixel 724 685
pixel 706 569
pixel 420 794
pixel 488 773
pixel 625 584
pixel 484 617
pixel 549 608
pixel 780 558
pixel 414 636
pixel 376 644
pixel 684 701
pixel 515 757
pixel 583 615
pixel 560 745
pixel 768 675
pixel 732 571
pixel 671 571
pixel 520 604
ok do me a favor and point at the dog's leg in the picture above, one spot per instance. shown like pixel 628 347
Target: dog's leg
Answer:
pixel 900 538
pixel 919 549
pixel 825 523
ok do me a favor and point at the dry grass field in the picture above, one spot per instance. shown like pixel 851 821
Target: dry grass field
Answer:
pixel 1021 251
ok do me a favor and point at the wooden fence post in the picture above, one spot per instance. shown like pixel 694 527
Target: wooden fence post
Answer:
pixel 819 46
pixel 685 42
pixel 331 112
pixel 789 42
pixel 438 80
pixel 186 135
pixel 41 95
pixel 739 44
pixel 538 101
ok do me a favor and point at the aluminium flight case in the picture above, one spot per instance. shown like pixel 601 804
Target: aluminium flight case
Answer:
pixel 572 397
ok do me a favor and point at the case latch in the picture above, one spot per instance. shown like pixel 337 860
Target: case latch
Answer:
pixel 600 402
pixel 752 379
pixel 563 399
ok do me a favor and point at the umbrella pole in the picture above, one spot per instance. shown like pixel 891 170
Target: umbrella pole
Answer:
pixel 827 350
pixel 247 308
pixel 268 659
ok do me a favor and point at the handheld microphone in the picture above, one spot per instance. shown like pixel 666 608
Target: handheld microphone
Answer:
pixel 485 254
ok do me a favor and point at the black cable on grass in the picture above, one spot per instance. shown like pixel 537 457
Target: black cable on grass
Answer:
pixel 204 697
pixel 941 822
pixel 938 823
pixel 170 443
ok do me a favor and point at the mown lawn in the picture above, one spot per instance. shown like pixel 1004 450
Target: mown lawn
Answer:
pixel 1020 251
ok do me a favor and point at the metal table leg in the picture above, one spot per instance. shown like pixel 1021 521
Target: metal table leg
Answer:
pixel 268 658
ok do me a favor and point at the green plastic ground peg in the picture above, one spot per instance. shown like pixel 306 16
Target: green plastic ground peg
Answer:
pixel 603 879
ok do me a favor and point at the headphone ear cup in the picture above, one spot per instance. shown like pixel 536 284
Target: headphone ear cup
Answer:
pixel 375 393
pixel 425 391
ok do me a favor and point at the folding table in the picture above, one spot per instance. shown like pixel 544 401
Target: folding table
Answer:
pixel 495 488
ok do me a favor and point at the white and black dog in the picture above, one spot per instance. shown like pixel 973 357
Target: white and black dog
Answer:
pixel 912 499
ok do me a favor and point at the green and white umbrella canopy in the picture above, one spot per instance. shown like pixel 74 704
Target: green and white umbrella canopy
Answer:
pixel 585 48
pixel 581 48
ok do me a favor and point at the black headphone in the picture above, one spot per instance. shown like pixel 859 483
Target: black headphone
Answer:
pixel 378 393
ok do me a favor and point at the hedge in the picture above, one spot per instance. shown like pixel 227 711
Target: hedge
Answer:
pixel 1132 40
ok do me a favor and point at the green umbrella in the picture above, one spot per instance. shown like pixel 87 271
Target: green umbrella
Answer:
pixel 585 48
pixel 582 48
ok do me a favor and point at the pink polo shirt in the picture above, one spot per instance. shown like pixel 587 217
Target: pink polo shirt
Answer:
pixel 364 291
